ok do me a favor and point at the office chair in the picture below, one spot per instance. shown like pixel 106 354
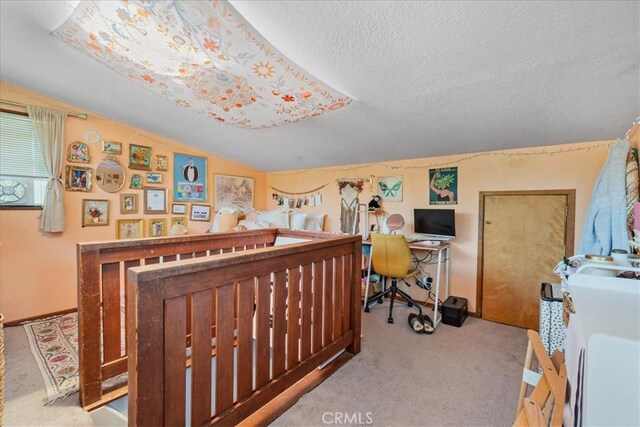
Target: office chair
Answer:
pixel 391 257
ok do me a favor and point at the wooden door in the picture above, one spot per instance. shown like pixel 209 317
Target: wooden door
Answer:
pixel 523 235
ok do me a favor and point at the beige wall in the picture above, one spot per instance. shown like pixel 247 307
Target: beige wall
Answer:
pixel 38 270
pixel 488 172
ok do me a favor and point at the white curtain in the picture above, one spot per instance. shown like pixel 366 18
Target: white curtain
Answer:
pixel 49 126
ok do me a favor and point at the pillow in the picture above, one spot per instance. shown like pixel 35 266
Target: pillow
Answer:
pixel 253 225
pixel 296 220
pixel 277 217
pixel 314 222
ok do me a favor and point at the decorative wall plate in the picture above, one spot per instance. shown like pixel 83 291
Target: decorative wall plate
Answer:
pixel 92 136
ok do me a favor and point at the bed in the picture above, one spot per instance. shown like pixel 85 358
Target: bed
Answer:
pixel 270 314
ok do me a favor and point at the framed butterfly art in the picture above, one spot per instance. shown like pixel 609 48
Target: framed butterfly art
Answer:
pixel 390 188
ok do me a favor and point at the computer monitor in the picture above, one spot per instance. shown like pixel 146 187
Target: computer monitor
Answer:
pixel 437 224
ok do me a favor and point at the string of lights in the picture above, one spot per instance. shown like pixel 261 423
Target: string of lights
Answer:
pixel 454 161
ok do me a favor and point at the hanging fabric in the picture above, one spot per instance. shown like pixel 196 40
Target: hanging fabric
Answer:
pixel 49 127
pixel 199 55
pixel 605 225
pixel 349 191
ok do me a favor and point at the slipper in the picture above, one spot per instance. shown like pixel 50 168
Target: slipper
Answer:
pixel 416 324
pixel 427 324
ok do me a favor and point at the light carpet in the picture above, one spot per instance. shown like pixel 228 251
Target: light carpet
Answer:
pixel 54 345
pixel 457 376
pixel 468 376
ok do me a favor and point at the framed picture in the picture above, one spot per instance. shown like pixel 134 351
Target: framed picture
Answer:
pixel 157 227
pixel 128 203
pixel 233 192
pixel 443 186
pixel 112 147
pixel 78 152
pixel 154 178
pixel 162 163
pixel 182 220
pixel 200 212
pixel 130 229
pixel 155 200
pixel 390 188
pixel 95 212
pixel 78 179
pixel 139 157
pixel 136 181
pixel 189 178
pixel 178 208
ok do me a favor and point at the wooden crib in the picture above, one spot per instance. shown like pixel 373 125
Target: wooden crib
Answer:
pixel 306 310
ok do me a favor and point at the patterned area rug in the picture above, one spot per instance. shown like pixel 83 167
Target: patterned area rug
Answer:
pixel 54 344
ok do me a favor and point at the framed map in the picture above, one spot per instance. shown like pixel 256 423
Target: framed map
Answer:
pixel 233 192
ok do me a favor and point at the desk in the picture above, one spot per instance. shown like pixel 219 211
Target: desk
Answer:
pixel 442 251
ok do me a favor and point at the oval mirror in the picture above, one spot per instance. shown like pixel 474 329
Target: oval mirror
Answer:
pixel 110 175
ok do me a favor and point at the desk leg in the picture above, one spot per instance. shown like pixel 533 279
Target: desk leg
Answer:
pixel 435 304
pixel 447 261
pixel 365 306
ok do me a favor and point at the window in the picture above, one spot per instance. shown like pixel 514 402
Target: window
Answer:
pixel 23 177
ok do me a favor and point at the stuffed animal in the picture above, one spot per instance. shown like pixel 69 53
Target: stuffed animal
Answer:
pixel 375 203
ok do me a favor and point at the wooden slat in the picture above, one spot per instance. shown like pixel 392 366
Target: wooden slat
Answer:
pixel 123 250
pixel 175 319
pixel 145 332
pixel 224 348
pixel 328 302
pixel 114 368
pixel 192 275
pixel 356 310
pixel 89 325
pixel 279 322
pixel 201 357
pixel 347 284
pixel 337 300
pixel 293 320
pixel 127 266
pixel 169 258
pixel 307 301
pixel 263 309
pixel 246 291
pixel 111 311
pixel 318 280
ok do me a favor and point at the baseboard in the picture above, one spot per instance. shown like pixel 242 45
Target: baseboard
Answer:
pixel 41 316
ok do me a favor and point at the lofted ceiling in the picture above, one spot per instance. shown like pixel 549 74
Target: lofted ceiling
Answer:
pixel 426 78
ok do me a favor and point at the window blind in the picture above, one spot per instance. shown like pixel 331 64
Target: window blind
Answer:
pixel 20 153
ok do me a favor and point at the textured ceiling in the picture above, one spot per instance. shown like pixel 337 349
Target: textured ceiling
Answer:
pixel 427 78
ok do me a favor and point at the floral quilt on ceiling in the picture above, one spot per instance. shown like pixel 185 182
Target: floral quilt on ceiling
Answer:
pixel 200 55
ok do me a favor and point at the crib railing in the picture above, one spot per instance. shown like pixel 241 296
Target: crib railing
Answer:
pixel 297 306
pixel 102 296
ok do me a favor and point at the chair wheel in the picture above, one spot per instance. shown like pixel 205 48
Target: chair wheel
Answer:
pixel 409 305
pixel 366 309
pixel 380 300
pixel 390 320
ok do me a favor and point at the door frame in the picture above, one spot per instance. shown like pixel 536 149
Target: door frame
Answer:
pixel 569 235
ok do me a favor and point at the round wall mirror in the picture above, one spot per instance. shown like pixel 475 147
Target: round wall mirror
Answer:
pixel 110 175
